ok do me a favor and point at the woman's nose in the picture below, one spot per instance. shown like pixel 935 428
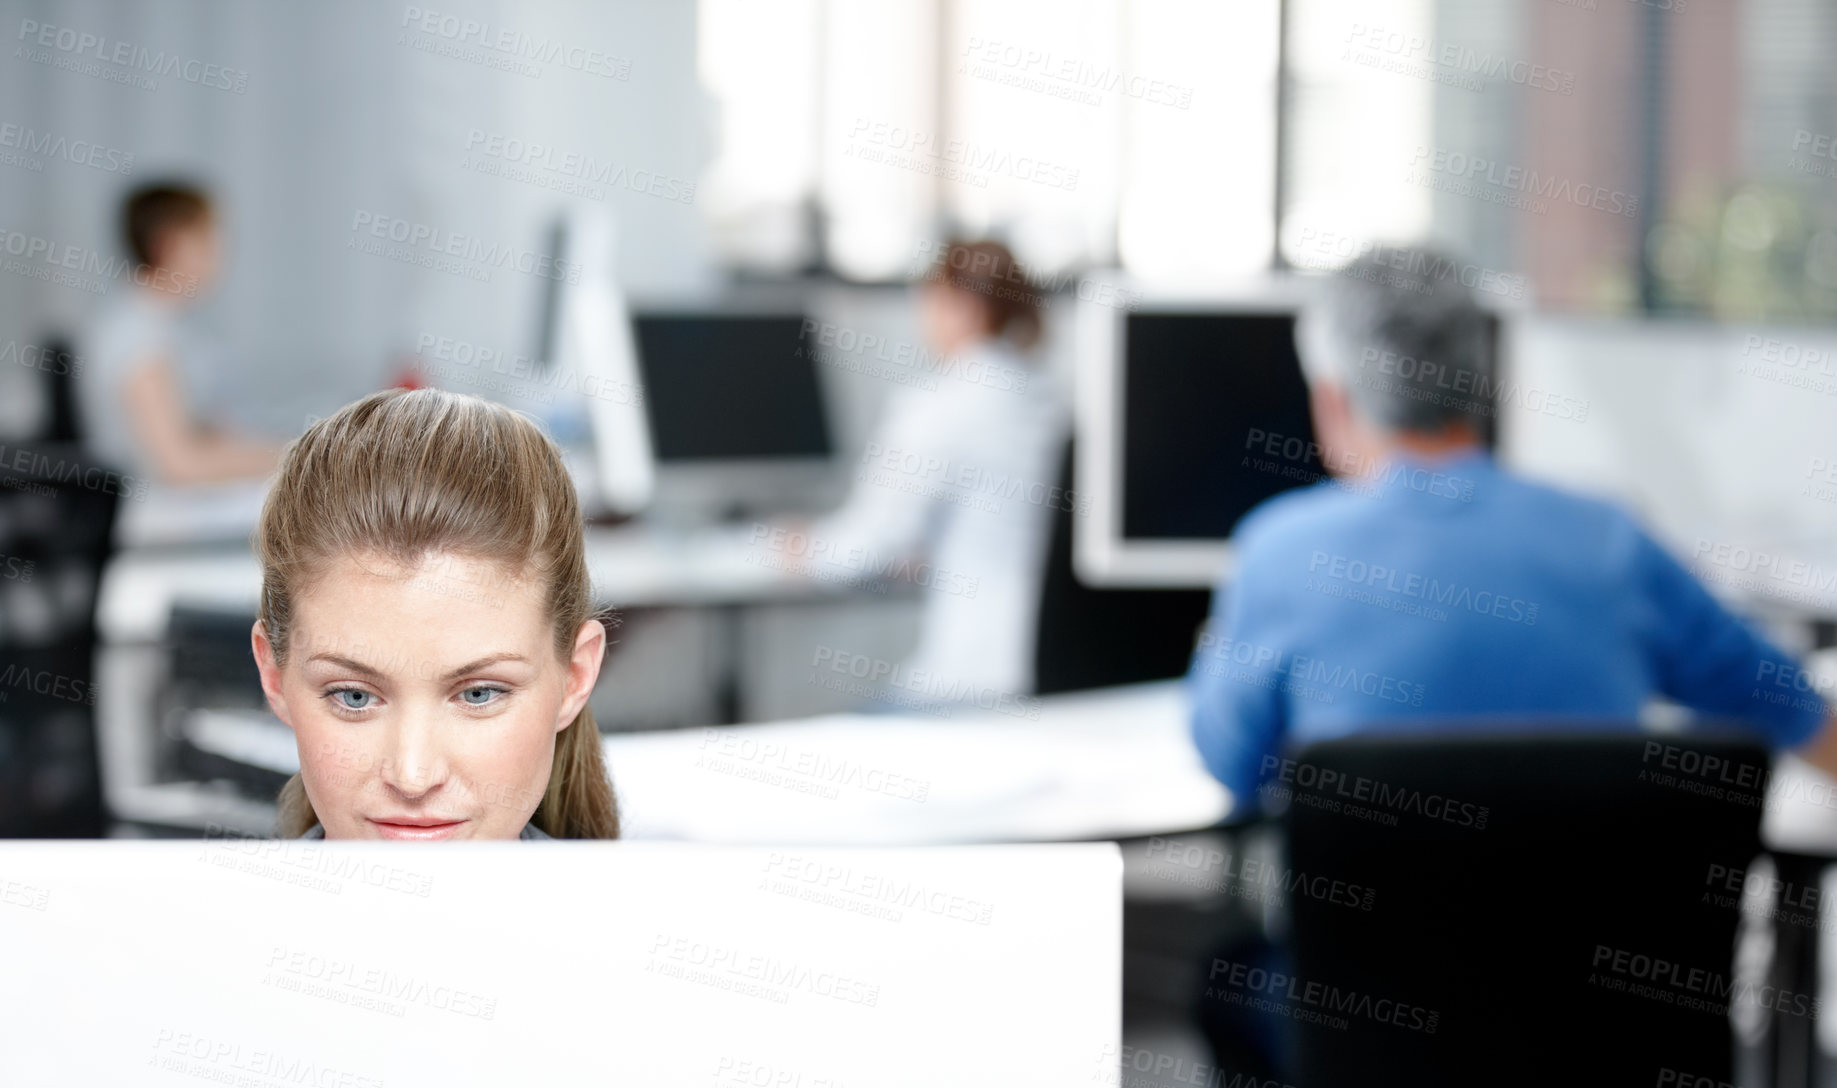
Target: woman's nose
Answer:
pixel 415 763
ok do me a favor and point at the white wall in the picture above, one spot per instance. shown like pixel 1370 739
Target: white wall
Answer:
pixel 1720 437
pixel 341 114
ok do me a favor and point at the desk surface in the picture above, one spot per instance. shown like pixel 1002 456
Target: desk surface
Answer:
pixel 558 963
pixel 631 567
pixel 1114 763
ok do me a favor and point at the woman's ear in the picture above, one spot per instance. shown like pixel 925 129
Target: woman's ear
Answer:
pixel 583 671
pixel 270 672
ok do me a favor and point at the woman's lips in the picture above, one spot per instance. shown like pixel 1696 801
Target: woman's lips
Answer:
pixel 416 828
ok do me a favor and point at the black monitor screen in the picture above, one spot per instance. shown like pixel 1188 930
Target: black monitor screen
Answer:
pixel 1215 420
pixel 722 387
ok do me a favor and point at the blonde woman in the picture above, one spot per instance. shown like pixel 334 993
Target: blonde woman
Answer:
pixel 427 628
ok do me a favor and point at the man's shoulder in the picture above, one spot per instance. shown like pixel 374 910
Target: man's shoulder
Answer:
pixel 1522 507
pixel 1301 514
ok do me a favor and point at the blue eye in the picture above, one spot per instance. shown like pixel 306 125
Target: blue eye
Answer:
pixel 352 698
pixel 481 696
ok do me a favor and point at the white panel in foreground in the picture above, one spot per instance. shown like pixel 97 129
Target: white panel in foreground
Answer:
pixel 284 963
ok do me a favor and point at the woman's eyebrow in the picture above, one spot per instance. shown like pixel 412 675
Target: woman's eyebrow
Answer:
pixel 347 664
pixel 484 663
pixel 374 673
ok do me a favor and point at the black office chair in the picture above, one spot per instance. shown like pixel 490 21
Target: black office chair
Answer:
pixel 57 516
pixel 1522 891
pixel 1091 638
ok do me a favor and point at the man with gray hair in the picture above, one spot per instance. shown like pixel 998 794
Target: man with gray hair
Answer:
pixel 1425 589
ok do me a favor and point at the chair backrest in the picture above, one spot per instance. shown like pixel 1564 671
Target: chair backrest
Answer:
pixel 57 515
pixel 1516 909
pixel 1097 637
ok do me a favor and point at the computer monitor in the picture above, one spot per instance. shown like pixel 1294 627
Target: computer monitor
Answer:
pixel 1191 412
pixel 735 405
pixel 585 349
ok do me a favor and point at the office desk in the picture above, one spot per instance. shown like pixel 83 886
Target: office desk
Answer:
pixel 1113 763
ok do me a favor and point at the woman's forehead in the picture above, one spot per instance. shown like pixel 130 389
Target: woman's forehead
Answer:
pixel 452 604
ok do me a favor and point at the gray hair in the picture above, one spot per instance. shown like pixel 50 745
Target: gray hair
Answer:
pixel 1404 338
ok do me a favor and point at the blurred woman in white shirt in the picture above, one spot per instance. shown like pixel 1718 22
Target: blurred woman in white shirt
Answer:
pixel 959 482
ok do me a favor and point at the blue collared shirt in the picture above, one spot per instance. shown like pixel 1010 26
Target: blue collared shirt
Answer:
pixel 1455 595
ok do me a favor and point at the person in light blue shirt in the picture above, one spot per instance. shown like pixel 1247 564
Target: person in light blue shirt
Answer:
pixel 1427 589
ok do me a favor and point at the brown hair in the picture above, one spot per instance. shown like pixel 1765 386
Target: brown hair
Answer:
pixel 988 271
pixel 152 210
pixel 408 474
